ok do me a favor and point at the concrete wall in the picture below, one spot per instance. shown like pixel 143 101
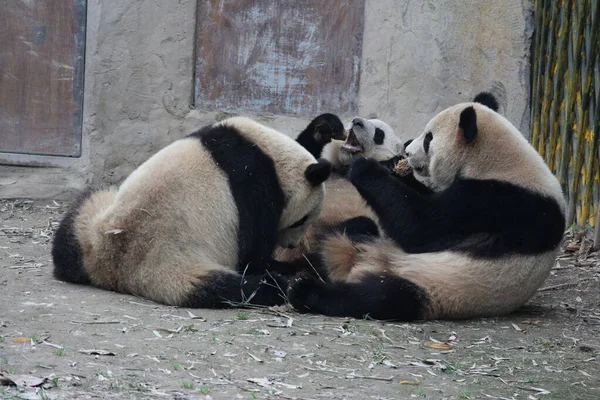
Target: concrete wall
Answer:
pixel 418 58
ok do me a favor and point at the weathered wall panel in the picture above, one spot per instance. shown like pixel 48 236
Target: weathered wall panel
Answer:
pixel 280 57
pixel 41 76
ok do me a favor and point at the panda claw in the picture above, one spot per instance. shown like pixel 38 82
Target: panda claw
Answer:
pixel 302 294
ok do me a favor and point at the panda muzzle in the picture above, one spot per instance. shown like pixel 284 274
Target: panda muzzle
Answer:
pixel 352 145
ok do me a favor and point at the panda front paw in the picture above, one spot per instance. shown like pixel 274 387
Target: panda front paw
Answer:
pixel 366 170
pixel 303 293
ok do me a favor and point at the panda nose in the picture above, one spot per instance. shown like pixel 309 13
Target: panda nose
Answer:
pixel 357 122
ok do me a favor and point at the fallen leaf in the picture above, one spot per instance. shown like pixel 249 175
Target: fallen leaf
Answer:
pixel 21 380
pixel 410 383
pixel 95 352
pixel 573 246
pixel 433 345
pixel 22 340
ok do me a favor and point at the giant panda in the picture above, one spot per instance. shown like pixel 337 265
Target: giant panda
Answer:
pixel 344 208
pixel 196 224
pixel 479 246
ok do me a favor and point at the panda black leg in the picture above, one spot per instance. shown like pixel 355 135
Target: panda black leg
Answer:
pixel 67 255
pixel 375 296
pixel 414 184
pixel 358 229
pixel 310 264
pixel 226 289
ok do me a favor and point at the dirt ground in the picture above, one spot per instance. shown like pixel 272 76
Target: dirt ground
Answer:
pixel 62 341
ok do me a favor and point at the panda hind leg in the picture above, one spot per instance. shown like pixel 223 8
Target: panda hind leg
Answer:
pixel 374 295
pixel 358 229
pixel 225 289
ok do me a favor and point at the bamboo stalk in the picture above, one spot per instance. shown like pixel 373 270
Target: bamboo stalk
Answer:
pixel 548 77
pixel 558 74
pixel 581 17
pixel 591 51
pixel 542 8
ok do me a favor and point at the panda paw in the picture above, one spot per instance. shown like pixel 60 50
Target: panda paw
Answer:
pixel 366 169
pixel 303 292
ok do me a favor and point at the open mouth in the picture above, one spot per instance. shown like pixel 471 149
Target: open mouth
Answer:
pixel 352 145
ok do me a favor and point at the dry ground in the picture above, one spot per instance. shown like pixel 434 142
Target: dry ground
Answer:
pixel 72 342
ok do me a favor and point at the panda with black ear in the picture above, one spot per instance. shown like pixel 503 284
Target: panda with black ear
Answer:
pixel 196 224
pixel 372 138
pixel 479 246
pixel 344 209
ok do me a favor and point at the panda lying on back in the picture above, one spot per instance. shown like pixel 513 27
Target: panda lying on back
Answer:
pixel 196 224
pixel 480 245
pixel 344 208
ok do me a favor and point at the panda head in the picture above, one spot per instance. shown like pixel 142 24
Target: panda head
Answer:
pixel 467 139
pixel 303 204
pixel 371 138
pixel 327 127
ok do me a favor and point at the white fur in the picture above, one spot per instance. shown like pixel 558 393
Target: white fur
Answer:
pixel 392 145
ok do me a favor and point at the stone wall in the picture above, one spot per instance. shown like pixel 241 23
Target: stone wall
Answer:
pixel 418 58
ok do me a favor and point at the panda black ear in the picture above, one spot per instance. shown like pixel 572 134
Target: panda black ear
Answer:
pixel 488 100
pixel 468 123
pixel 318 173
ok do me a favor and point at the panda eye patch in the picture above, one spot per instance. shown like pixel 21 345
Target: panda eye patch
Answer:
pixel 299 223
pixel 427 141
pixel 379 136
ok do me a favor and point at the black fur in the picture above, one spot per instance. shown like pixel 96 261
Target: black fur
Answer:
pixel 427 142
pixel 358 229
pixel 318 173
pixel 256 191
pixel 66 251
pixel 407 143
pixel 488 100
pixel 227 289
pixel 319 132
pixel 377 296
pixel 388 164
pixel 414 184
pixel 298 223
pixel 485 218
pixel 468 123
pixel 379 136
